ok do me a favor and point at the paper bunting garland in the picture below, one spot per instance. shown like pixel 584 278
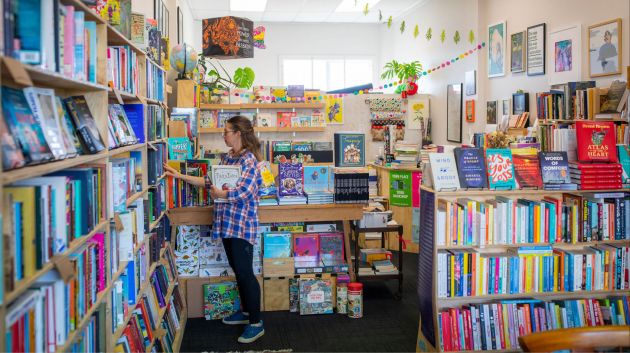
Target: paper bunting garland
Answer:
pixel 380 15
pixel 259 37
pixel 322 97
pixel 456 37
pixel 389 22
pixel 402 27
pixel 443 36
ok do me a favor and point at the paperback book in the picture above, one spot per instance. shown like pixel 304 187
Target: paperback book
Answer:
pixel 526 168
pixel 471 168
pixel 443 171
pixel 179 148
pixel 277 245
pixel 85 123
pixel 500 168
pixel 315 296
pixel 554 167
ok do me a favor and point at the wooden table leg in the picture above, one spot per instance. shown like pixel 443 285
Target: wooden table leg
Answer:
pixel 346 241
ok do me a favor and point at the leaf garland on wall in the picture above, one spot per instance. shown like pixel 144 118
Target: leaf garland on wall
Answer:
pixel 389 22
pixel 402 27
pixel 366 9
pixel 471 36
pixel 416 31
pixel 429 34
pixel 456 37
pixel 443 36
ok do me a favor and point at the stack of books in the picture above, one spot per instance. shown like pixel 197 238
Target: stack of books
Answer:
pixel 317 184
pixel 593 176
pixel 291 185
pixel 597 166
pixel 384 267
pixel 406 153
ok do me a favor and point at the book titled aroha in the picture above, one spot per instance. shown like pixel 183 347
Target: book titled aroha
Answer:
pixel 526 168
pixel 349 149
pixel 443 171
pixel 596 141
pixel 500 168
pixel 179 148
pixel 554 167
pixel 470 167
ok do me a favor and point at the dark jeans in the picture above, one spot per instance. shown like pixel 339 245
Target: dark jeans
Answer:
pixel 240 256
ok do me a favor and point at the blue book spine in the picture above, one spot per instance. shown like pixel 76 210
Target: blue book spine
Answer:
pixel 79 44
pixel 90 28
pixel 28 30
pixel 136 117
pixel 131 283
pixel 17 222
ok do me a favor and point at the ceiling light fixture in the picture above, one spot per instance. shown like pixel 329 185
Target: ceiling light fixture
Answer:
pixel 248 5
pixel 355 6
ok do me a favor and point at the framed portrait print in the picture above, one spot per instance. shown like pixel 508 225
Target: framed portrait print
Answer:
pixel 496 49
pixel 454 112
pixel 536 50
pixel 491 117
pixel 604 48
pixel 470 82
pixel 517 52
pixel 563 59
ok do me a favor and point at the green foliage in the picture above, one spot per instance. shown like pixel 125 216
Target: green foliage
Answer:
pixel 443 36
pixel 217 76
pixel 402 27
pixel 456 37
pixel 389 22
pixel 244 77
pixel 429 34
pixel 416 31
pixel 402 71
pixel 471 36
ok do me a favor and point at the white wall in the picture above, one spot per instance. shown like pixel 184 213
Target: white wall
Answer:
pixel 285 39
pixel 450 15
pixel 557 14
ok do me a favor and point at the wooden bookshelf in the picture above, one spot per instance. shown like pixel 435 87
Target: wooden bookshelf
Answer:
pixel 136 196
pixel 261 106
pixel 503 247
pixel 210 130
pixel 516 192
pixel 572 121
pixel 14 175
pixel 124 149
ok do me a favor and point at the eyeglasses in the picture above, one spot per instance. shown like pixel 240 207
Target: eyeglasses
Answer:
pixel 225 132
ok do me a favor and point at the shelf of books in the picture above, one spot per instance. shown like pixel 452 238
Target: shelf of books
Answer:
pixel 83 196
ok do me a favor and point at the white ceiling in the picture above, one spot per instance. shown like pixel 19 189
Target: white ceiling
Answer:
pixel 305 10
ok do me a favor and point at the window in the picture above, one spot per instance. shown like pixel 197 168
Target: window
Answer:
pixel 326 74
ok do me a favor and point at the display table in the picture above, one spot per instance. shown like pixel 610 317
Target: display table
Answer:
pixel 282 214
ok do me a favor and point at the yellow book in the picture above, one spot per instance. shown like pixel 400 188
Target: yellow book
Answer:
pixel 556 270
pixel 452 269
pixel 528 273
pixel 490 224
pixel 506 326
pixel 460 225
pixel 536 224
pixel 620 310
pixel 134 227
pixel 464 271
pixel 574 225
pixel 26 196
pixel 558 317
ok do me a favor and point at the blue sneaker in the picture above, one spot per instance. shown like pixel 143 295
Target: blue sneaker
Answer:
pixel 238 318
pixel 252 332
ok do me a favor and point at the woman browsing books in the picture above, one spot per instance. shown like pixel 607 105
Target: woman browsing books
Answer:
pixel 236 219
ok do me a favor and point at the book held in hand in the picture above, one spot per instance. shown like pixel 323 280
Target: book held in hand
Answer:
pixel 225 177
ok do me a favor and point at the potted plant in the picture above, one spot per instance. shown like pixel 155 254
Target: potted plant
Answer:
pixel 219 82
pixel 406 72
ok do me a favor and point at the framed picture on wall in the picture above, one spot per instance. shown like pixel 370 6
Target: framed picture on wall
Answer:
pixel 454 112
pixel 470 110
pixel 520 103
pixel 496 49
pixel 506 107
pixel 470 82
pixel 536 50
pixel 491 112
pixel 564 54
pixel 604 48
pixel 517 52
pixel 180 26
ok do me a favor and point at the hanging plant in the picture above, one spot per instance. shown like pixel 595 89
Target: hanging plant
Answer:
pixel 389 22
pixel 443 36
pixel 456 37
pixel 471 36
pixel 402 27
pixel 429 33
pixel 405 72
pixel 416 31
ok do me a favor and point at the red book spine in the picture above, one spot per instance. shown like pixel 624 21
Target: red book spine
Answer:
pixel 467 333
pixel 600 187
pixel 501 327
pixel 446 331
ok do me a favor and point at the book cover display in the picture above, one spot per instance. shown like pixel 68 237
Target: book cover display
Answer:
pixel 596 141
pixel 315 296
pixel 85 124
pixel 228 37
pixel 471 168
pixel 624 160
pixel 276 245
pixel 526 168
pixel 317 178
pixel 554 167
pixel 284 119
pixel 179 148
pixel 444 171
pixel 349 149
pixel 42 103
pixel 306 247
pixel 500 168
pixel 220 300
pixel 291 179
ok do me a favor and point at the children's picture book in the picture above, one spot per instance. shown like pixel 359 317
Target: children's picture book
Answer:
pixel 279 94
pixel 265 120
pixel 596 141
pixel 284 119
pixel 294 295
pixel 291 179
pixel 179 148
pixel 225 116
pixel 65 121
pixel 471 168
pixel 317 118
pixel 526 167
pixel 23 126
pixel 42 103
pixel 121 124
pixel 12 156
pixel 331 246
pixel 220 300
pixel 349 149
pixel 208 119
pixel 306 246
pixel 295 91
pixel 268 186
pixel 500 168
pixel 315 296
pixel 443 171
pixel 276 245
pixel 317 178
pixel 225 177
pixel 554 167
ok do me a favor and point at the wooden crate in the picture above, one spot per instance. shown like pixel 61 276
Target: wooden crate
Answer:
pixel 280 267
pixel 276 293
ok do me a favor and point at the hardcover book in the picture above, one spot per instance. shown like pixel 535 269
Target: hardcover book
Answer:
pixel 265 120
pixel 225 177
pixel 23 126
pixel 471 168
pixel 284 119
pixel 315 296
pixel 85 124
pixel 291 178
pixel 121 124
pixel 500 168
pixel 276 245
pixel 526 168
pixel 225 116
pixel 331 246
pixel 554 167
pixel 42 103
pixel 267 188
pixel 220 300
pixel 596 141
pixel 444 171
pixel 306 247
pixel 179 148
pixel 317 178
pixel 349 149
pixel 624 160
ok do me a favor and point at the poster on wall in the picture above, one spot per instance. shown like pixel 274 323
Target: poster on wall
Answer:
pixel 517 52
pixel 334 110
pixel 604 47
pixel 227 37
pixel 496 49
pixel 417 113
pixel 564 57
pixel 536 50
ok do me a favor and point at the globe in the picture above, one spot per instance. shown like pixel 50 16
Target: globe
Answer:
pixel 183 59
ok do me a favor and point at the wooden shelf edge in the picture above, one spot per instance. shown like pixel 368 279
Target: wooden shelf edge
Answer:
pixel 179 336
pixel 136 196
pixel 511 246
pixel 27 172
pixel 205 106
pixel 123 149
pixel 25 284
pixel 562 295
pixel 157 221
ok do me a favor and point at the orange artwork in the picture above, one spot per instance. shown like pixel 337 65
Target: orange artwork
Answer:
pixel 223 32
pixel 470 111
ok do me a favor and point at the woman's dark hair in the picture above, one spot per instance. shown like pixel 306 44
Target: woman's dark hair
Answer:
pixel 248 138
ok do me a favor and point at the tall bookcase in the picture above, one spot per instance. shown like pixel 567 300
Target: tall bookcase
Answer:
pixel 98 95
pixel 431 303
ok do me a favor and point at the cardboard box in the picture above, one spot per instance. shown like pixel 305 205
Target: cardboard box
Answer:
pixel 276 293
pixel 279 267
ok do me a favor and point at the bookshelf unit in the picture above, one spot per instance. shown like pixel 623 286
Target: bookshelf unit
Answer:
pixel 98 96
pixel 431 303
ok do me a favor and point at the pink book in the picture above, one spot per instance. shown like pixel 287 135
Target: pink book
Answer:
pixel 306 246
pixel 68 45
pixel 99 240
pixel 416 180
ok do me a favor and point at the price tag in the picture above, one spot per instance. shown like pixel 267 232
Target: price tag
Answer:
pixel 18 72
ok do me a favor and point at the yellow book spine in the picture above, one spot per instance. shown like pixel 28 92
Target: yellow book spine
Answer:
pixel 453 258
pixel 506 327
pixel 465 272
pixel 26 196
pixel 528 274
pixel 558 317
pixel 574 225
pixel 556 272
pixel 620 309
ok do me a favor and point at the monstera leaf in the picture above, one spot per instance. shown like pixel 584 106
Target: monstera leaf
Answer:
pixel 244 77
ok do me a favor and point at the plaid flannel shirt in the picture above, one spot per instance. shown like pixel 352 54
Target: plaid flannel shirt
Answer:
pixel 238 217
